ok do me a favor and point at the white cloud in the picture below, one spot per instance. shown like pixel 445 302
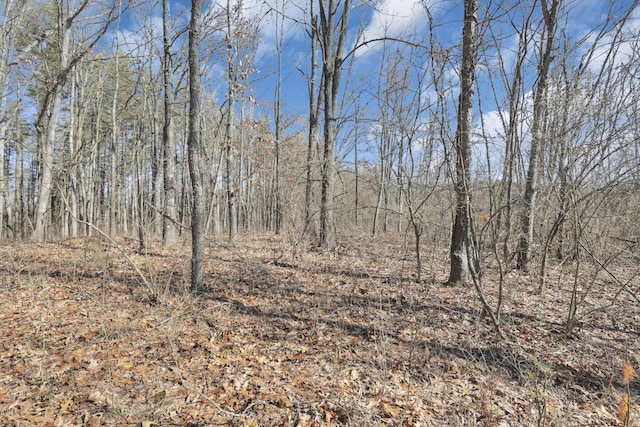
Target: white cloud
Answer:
pixel 490 137
pixel 618 48
pixel 393 18
pixel 270 13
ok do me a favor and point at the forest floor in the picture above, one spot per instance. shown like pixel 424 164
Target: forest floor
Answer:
pixel 299 337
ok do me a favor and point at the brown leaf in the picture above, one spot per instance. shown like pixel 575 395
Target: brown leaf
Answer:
pixel 628 373
pixel 623 409
pixel 157 397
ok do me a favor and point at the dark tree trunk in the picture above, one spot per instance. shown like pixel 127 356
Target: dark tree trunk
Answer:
pixel 333 38
pixel 461 242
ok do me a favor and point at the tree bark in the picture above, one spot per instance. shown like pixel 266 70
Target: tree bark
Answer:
pixel 333 37
pixel 196 152
pixel 113 151
pixel 312 141
pixel 168 142
pixel 51 106
pixel 461 242
pixel 47 138
pixel 18 227
pixel 231 98
pixel 12 20
pixel 3 140
pixel 277 118
pixel 537 140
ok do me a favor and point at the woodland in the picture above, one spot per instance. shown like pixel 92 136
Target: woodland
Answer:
pixel 321 212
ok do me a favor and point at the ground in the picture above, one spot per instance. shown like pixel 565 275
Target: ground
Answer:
pixel 285 335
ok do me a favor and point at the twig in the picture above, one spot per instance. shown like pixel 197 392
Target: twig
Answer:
pixel 603 266
pixel 120 249
pixel 283 254
pixel 165 215
pixel 217 405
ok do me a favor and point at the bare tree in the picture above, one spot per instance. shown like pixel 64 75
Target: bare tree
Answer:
pixel 50 108
pixel 461 241
pixel 315 100
pixel 168 134
pixel 385 136
pixel 415 125
pixel 240 44
pixel 49 113
pixel 114 147
pixel 232 89
pixel 334 21
pixel 196 151
pixel 507 76
pixel 550 17
pixel 12 20
pixel 277 113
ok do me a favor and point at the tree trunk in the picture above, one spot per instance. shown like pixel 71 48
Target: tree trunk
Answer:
pixel 196 152
pixel 381 187
pixel 356 196
pixel 400 184
pixel 113 152
pixel 139 195
pixel 168 142
pixel 47 139
pixel 277 118
pixel 18 227
pixel 12 20
pixel 461 243
pixel 3 139
pixel 312 141
pixel 537 140
pixel 67 213
pixel 333 42
pixel 515 98
pixel 231 98
pixel 157 186
pixel 90 193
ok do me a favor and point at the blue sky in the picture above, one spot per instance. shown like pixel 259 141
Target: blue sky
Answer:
pixel 370 19
pixel 397 18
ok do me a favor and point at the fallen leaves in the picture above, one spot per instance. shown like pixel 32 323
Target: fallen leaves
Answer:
pixel 324 342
